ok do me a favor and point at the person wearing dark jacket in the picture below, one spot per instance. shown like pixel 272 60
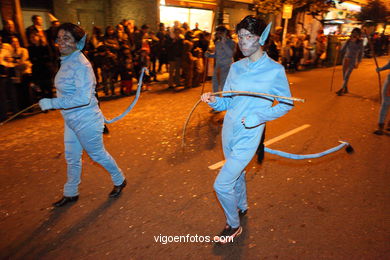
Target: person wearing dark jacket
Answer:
pixel 175 52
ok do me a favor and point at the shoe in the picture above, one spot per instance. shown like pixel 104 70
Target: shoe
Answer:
pixel 340 92
pixel 105 130
pixel 242 213
pixel 65 200
pixel 116 191
pixel 378 132
pixel 346 90
pixel 228 234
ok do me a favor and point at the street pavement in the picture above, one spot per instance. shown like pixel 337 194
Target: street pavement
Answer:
pixel 334 207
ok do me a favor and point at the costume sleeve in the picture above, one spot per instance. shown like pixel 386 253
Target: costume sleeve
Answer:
pixel 84 84
pixel 223 103
pixel 280 88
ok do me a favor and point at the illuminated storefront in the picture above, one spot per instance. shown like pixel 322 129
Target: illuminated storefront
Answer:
pixel 203 12
pixel 191 12
pixel 342 19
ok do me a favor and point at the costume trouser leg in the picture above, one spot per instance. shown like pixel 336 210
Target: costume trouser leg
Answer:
pixel 385 102
pixel 89 138
pixel 230 183
pixel 219 77
pixel 223 75
pixel 215 79
pixel 240 189
pixel 347 70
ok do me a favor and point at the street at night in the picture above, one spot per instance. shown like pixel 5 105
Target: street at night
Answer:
pixel 333 207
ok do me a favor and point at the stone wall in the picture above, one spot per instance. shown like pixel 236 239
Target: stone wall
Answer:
pixel 89 13
pixel 141 11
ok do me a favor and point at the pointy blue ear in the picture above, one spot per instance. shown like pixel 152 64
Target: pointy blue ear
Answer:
pixel 265 34
pixel 80 45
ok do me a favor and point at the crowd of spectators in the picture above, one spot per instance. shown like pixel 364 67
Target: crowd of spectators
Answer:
pixel 118 54
pixel 300 53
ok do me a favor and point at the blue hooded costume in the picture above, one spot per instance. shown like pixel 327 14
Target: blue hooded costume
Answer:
pixel 75 84
pixel 240 141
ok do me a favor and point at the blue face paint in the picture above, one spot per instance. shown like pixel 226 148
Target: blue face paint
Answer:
pixel 248 42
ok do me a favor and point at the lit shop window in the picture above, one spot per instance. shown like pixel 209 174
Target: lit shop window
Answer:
pixel 169 14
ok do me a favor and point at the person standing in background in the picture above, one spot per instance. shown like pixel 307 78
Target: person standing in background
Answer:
pixel 353 53
pixel 37 28
pixel 9 31
pixel 385 103
pixel 223 54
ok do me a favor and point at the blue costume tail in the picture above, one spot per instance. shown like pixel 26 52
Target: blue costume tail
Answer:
pixel 141 77
pixel 348 148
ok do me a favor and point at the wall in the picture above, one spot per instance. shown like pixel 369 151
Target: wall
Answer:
pixel 86 13
pixel 89 13
pixel 237 12
pixel 7 9
pixel 142 12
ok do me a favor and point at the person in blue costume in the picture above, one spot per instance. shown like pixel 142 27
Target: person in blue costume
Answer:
pixel 223 54
pixel 75 84
pixel 385 105
pixel 246 117
pixel 353 53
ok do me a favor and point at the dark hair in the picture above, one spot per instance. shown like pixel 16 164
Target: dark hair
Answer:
pixel 108 28
pixel 189 36
pixel 254 25
pixel 76 31
pixel 357 30
pixel 34 17
pixel 221 28
pixel 97 30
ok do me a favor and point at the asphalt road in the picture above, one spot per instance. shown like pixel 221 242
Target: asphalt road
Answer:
pixel 334 207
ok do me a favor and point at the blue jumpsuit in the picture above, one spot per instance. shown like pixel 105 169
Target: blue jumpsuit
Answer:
pixel 385 97
pixel 353 55
pixel 75 84
pixel 240 142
